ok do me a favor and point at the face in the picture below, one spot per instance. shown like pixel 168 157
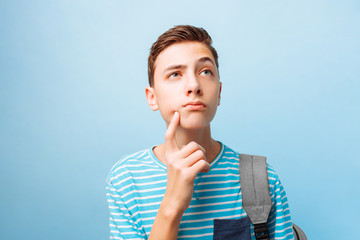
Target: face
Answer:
pixel 186 80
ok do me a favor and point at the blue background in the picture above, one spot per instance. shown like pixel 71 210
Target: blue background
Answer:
pixel 72 103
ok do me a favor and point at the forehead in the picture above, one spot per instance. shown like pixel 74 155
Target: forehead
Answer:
pixel 183 53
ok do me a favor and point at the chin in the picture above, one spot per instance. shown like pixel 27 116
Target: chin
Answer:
pixel 193 126
pixel 194 123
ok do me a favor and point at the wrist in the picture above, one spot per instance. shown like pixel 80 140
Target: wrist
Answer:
pixel 170 211
pixel 166 224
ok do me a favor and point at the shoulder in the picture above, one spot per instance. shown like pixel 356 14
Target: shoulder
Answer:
pixel 229 153
pixel 128 163
pixel 233 155
pixel 275 186
pixel 226 156
pixel 273 176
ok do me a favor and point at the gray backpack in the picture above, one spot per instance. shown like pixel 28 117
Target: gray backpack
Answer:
pixel 256 195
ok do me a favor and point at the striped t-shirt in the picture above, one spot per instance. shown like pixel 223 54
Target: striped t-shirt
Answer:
pixel 137 184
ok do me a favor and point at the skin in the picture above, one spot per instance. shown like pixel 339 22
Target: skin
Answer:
pixel 187 93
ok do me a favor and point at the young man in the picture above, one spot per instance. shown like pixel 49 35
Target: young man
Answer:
pixel 188 187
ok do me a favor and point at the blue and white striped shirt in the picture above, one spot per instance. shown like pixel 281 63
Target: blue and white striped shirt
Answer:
pixel 137 184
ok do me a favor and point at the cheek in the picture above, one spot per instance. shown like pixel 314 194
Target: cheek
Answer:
pixel 167 98
pixel 167 107
pixel 215 96
pixel 166 102
pixel 167 114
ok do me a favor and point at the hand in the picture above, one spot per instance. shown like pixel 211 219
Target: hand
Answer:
pixel 183 165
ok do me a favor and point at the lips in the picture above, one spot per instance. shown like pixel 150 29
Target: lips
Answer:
pixel 195 106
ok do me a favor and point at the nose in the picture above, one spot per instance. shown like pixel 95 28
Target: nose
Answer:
pixel 193 86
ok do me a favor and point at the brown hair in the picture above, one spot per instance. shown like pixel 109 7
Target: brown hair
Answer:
pixel 177 34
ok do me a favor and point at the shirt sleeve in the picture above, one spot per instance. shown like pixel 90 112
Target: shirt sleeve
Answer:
pixel 123 225
pixel 279 222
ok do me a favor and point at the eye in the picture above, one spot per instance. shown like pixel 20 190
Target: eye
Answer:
pixel 206 73
pixel 174 75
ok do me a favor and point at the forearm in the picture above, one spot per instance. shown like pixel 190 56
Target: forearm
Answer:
pixel 166 223
pixel 183 165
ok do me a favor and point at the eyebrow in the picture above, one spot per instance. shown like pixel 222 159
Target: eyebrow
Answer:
pixel 206 59
pixel 174 67
pixel 179 66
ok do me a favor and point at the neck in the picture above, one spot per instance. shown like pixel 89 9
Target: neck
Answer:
pixel 200 136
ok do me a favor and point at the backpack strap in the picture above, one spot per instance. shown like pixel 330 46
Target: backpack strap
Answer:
pixel 256 198
pixel 298 233
pixel 255 192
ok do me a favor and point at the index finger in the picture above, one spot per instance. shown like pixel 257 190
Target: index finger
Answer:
pixel 170 142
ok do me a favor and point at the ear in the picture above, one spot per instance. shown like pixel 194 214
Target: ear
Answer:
pixel 219 93
pixel 151 99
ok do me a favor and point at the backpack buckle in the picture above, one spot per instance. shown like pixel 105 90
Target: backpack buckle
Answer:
pixel 261 231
